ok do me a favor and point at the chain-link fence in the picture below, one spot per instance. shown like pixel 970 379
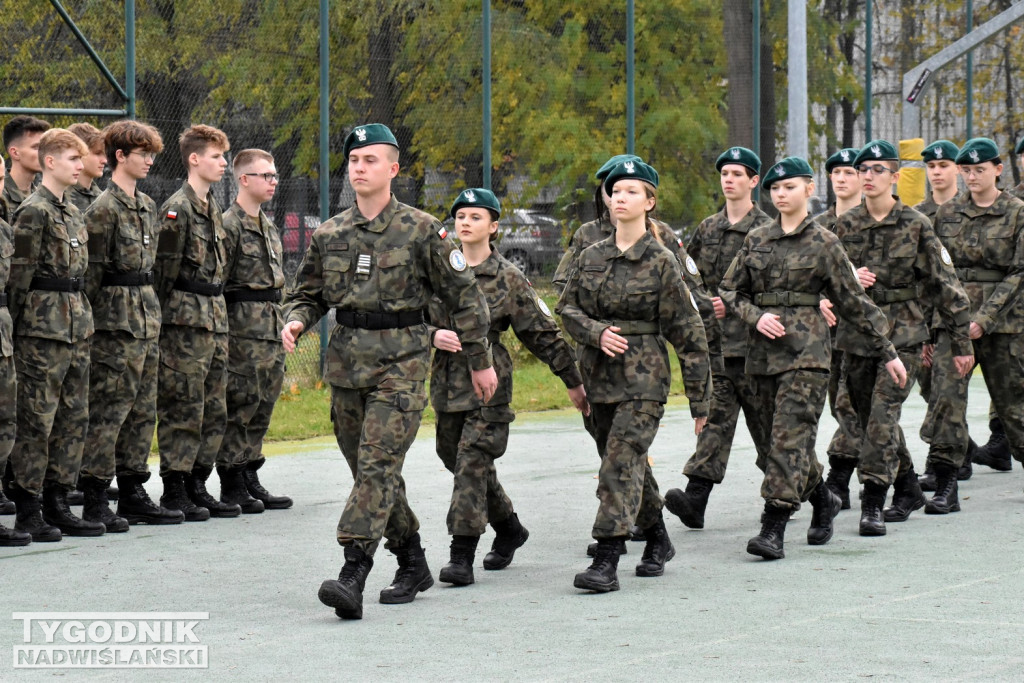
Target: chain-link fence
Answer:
pixel 559 95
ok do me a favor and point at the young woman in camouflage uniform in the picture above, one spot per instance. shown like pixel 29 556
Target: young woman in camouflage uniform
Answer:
pixel 624 299
pixel 472 433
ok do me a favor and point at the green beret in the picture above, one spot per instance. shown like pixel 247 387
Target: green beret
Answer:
pixel 1019 149
pixel 637 170
pixel 877 150
pixel 940 150
pixel 603 172
pixel 843 157
pixel 978 150
pixel 369 134
pixel 790 167
pixel 741 156
pixel 477 196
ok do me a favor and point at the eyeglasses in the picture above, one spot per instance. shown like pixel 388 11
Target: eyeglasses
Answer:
pixel 976 171
pixel 148 156
pixel 877 169
pixel 269 177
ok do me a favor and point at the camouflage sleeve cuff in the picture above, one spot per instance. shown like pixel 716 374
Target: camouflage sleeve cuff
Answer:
pixel 961 346
pixel 889 351
pixel 571 377
pixel 983 321
pixel 699 408
pixel 479 354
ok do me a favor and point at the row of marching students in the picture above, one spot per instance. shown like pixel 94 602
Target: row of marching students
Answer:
pixel 103 300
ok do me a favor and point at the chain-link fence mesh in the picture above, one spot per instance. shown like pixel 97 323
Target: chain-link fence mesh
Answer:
pixel 251 68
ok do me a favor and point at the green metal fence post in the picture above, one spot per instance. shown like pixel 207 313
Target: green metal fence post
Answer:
pixel 756 83
pixel 129 56
pixel 970 74
pixel 325 158
pixel 867 70
pixel 630 80
pixel 485 28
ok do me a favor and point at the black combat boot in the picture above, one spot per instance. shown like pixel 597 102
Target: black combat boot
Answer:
pixel 601 576
pixel 97 505
pixel 345 594
pixel 966 471
pixel 175 498
pixel 995 453
pixel 907 496
pixel 30 517
pixel 7 507
pixel 57 513
pixel 76 496
pixel 838 479
pixel 689 505
pixel 509 535
pixel 413 574
pixel 256 490
pixel 872 523
pixel 195 488
pixel 234 492
pixel 135 505
pixel 459 570
pixel 657 552
pixel 946 498
pixel 12 538
pixel 825 505
pixel 592 549
pixel 769 543
pixel 927 480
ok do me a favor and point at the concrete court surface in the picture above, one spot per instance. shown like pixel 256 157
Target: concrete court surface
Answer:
pixel 940 597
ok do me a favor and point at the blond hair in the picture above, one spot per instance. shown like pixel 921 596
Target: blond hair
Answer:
pixel 56 140
pixel 195 140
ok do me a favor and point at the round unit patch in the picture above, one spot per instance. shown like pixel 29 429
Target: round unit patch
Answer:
pixel 543 307
pixel 945 257
pixel 691 265
pixel 457 260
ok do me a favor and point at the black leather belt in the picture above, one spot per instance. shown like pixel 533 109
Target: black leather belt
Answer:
pixel 633 327
pixel 786 299
pixel 378 320
pixel 237 295
pixel 58 284
pixel 891 296
pixel 980 275
pixel 196 287
pixel 127 279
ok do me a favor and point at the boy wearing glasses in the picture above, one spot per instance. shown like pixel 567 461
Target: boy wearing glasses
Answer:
pixel 125 354
pixel 906 271
pixel 253 280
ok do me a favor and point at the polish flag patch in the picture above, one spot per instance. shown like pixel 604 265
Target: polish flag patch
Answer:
pixel 442 233
pixel 173 215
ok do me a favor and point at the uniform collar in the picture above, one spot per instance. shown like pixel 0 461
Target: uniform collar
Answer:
pixel 997 208
pixel 197 204
pixel 120 195
pixel 744 224
pixel 634 253
pixel 381 221
pixel 776 233
pixel 490 265
pixel 51 197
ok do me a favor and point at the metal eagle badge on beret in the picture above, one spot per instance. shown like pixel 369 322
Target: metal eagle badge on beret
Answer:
pixel 469 195
pixel 937 152
pixel 736 152
pixel 691 265
pixel 845 154
pixel 457 260
pixel 973 154
pixel 361 134
pixel 877 151
pixel 945 257
pixel 629 166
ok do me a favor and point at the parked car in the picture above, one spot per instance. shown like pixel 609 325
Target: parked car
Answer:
pixel 531 240
pixel 295 240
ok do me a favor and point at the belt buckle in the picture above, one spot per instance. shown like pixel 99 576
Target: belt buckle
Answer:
pixel 76 283
pixel 359 319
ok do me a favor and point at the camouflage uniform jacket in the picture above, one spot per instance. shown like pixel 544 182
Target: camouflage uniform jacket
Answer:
pixel 49 242
pixel 5 212
pixel 989 239
pixel 1017 190
pixel 13 196
pixel 254 254
pixel 808 262
pixel 6 323
pixel 908 261
pixel 81 197
pixel 122 240
pixel 642 285
pixel 512 302
pixel 392 263
pixel 713 246
pixel 191 247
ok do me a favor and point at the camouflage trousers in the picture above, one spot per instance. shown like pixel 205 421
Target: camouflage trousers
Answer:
pixel 845 443
pixel 375 426
pixel 122 404
pixel 191 409
pixel 626 488
pixel 468 443
pixel 254 378
pixel 8 409
pixel 790 405
pixel 945 422
pixel 53 412
pixel 732 390
pixel 878 402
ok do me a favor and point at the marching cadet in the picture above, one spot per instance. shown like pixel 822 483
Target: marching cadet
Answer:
pixel 254 278
pixel 908 274
pixel 844 447
pixel 712 247
pixel 52 327
pixel 189 274
pixel 983 230
pixel 125 354
pixel 21 140
pixel 775 284
pixel 625 297
pixel 472 434
pixel 377 265
pixel 87 189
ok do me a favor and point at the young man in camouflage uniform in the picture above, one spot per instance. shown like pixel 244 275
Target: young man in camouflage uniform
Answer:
pixel 775 285
pixel 908 274
pixel 377 264
pixel 21 140
pixel 254 278
pixel 189 270
pixel 125 356
pixel 983 230
pixel 713 246
pixel 472 434
pixel 87 189
pixel 52 326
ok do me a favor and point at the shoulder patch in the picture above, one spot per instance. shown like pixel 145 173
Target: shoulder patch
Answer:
pixel 172 214
pixel 543 307
pixel 691 265
pixel 693 302
pixel 457 260
pixel 442 233
pixel 945 257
